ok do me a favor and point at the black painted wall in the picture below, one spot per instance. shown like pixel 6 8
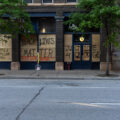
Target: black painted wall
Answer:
pixel 15 49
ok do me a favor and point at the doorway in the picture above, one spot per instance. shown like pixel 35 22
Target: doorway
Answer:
pixel 81 51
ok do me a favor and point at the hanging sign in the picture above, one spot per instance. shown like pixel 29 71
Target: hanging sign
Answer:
pixel 95 48
pixel 68 48
pixel 47 47
pixel 5 47
pixel 28 48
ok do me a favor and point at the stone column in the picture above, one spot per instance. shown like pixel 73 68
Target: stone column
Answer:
pixel 15 64
pixel 59 43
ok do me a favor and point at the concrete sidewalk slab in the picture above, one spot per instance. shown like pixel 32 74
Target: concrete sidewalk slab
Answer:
pixel 52 74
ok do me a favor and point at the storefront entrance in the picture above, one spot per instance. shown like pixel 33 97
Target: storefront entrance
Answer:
pixel 81 52
pixel 40 46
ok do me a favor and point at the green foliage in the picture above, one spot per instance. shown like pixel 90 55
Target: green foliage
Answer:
pixel 97 14
pixel 13 18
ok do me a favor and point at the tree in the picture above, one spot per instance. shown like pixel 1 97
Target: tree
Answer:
pixel 14 19
pixel 99 14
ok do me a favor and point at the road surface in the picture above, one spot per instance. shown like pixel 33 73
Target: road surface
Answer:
pixel 59 99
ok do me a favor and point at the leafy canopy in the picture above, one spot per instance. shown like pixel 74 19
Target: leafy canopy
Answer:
pixel 97 14
pixel 13 17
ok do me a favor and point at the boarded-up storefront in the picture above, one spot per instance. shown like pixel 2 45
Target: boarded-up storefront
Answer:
pixel 5 48
pixel 28 48
pixel 67 48
pixel 47 47
pixel 77 54
pixel 67 51
pixel 5 51
pixel 82 54
pixel 95 48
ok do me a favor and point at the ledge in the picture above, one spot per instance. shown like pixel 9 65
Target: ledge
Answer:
pixel 51 4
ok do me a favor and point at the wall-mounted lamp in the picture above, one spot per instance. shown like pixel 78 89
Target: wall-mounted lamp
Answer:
pixel 82 39
pixel 43 30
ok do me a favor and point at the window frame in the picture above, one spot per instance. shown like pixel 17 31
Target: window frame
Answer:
pixel 29 2
pixel 48 3
pixel 71 2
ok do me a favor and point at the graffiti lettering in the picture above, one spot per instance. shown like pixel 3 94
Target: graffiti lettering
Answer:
pixel 5 47
pixel 47 52
pixel 29 48
pixel 95 48
pixel 3 42
pixel 4 52
pixel 47 41
pixel 28 42
pixel 47 47
pixel 68 52
pixel 95 53
pixel 29 52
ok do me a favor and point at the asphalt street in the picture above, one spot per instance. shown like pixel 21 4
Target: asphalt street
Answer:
pixel 34 99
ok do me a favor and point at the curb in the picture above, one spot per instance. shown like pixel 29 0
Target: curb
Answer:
pixel 60 78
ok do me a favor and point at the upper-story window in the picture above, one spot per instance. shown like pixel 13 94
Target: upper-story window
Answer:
pixel 28 1
pixel 70 1
pixel 47 1
pixel 47 25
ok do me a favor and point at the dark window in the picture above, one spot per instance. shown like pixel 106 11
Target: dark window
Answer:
pixel 47 25
pixel 47 1
pixel 77 38
pixel 67 27
pixel 71 0
pixel 70 28
pixel 28 1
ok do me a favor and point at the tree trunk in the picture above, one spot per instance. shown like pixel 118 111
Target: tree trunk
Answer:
pixel 107 72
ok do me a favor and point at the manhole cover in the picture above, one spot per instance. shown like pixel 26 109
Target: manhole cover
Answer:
pixel 2 74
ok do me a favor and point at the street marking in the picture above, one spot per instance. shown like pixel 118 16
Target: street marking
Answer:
pixel 98 105
pixel 83 104
pixel 89 105
pixel 89 87
pixel 114 104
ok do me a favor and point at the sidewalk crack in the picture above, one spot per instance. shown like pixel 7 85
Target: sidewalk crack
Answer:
pixel 29 103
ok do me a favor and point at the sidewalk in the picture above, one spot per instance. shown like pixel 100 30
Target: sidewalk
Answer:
pixel 52 74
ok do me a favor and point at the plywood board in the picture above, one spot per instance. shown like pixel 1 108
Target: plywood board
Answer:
pixel 28 48
pixel 95 48
pixel 86 52
pixel 77 52
pixel 47 47
pixel 68 48
pixel 5 47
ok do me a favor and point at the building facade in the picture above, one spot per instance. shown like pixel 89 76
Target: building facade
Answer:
pixel 53 44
